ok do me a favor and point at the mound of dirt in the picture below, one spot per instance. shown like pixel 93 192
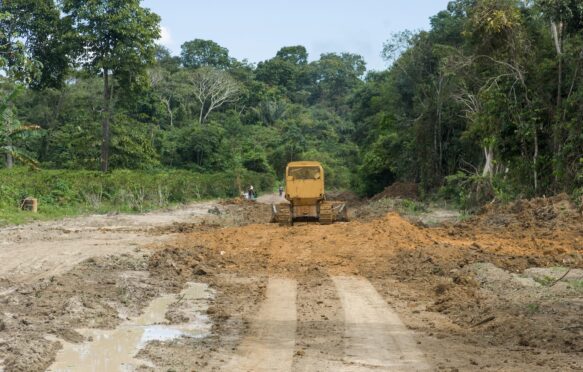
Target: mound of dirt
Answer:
pixel 185 227
pixel 435 269
pixel 403 190
pixel 171 263
pixel 236 201
pixel 350 198
pixel 545 214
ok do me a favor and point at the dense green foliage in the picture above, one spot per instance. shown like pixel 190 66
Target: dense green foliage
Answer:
pixel 486 104
pixel 489 103
pixel 64 192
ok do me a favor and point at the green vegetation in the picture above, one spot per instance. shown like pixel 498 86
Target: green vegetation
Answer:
pixel 576 284
pixel 65 193
pixel 532 309
pixel 405 206
pixel 545 281
pixel 485 105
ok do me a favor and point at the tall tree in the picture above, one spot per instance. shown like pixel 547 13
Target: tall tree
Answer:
pixel 15 64
pixel 11 130
pixel 116 40
pixel 16 69
pixel 198 53
pixel 46 36
pixel 297 54
pixel 336 76
pixel 213 88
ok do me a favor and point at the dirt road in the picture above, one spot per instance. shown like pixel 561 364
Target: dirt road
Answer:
pixel 375 335
pixel 272 337
pixel 500 292
pixel 33 251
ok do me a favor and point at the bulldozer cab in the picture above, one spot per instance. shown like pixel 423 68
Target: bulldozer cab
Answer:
pixel 304 173
pixel 304 181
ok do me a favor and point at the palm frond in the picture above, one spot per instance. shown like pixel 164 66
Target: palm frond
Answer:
pixel 23 129
pixel 20 155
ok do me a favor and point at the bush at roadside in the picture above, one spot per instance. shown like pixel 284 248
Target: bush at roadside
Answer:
pixel 122 190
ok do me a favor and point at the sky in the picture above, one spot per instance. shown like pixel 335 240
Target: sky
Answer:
pixel 256 29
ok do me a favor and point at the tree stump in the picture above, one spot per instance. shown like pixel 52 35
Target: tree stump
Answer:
pixel 30 204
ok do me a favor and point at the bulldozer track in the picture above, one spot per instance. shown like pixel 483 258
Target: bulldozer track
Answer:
pixel 326 214
pixel 340 212
pixel 283 215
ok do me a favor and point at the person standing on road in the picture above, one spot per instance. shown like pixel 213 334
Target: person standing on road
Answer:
pixel 251 193
pixel 280 191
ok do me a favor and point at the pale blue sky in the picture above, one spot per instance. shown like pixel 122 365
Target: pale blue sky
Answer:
pixel 257 29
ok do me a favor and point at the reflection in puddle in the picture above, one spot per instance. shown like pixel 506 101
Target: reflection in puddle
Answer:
pixel 114 350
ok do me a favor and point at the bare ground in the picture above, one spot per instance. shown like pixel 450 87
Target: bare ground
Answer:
pixel 502 291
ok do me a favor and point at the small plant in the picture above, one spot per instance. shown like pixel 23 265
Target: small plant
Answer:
pixel 412 206
pixel 545 281
pixel 532 309
pixel 576 284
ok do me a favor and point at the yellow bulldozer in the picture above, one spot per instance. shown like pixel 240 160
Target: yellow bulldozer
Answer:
pixel 304 189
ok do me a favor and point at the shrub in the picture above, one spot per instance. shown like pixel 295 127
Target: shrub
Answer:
pixel 121 190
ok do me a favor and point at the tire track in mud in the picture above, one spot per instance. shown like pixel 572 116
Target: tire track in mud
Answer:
pixel 320 326
pixel 272 336
pixel 375 336
pixel 341 324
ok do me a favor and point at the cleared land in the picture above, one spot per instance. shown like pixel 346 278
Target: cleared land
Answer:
pixel 500 291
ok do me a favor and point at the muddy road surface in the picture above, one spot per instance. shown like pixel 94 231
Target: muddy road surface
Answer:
pixel 210 287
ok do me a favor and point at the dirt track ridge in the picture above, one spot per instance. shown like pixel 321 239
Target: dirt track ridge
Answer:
pixel 375 336
pixel 270 344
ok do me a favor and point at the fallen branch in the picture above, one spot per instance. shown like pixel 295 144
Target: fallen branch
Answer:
pixel 180 299
pixel 488 319
pixel 561 278
pixel 572 327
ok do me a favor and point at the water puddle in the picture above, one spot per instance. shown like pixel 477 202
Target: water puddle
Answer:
pixel 114 350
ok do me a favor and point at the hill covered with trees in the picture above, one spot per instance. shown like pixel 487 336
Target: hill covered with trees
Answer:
pixel 486 104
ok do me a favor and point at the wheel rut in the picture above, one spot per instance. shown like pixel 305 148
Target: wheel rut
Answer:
pixel 326 324
pixel 272 335
pixel 375 337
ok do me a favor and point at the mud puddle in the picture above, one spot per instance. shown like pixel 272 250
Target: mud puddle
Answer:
pixel 114 350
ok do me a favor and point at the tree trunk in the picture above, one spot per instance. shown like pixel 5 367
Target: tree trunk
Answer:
pixel 166 102
pixel 105 122
pixel 557 31
pixel 557 131
pixel 207 114
pixel 535 161
pixel 489 166
pixel 9 161
pixel 200 117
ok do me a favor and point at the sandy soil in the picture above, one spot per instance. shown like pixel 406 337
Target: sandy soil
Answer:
pixel 270 343
pixel 500 291
pixel 37 250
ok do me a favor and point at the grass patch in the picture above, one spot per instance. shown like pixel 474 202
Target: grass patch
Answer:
pixel 404 206
pixel 532 309
pixel 576 284
pixel 64 193
pixel 545 281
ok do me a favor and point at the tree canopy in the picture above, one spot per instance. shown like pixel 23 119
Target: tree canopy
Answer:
pixel 484 105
